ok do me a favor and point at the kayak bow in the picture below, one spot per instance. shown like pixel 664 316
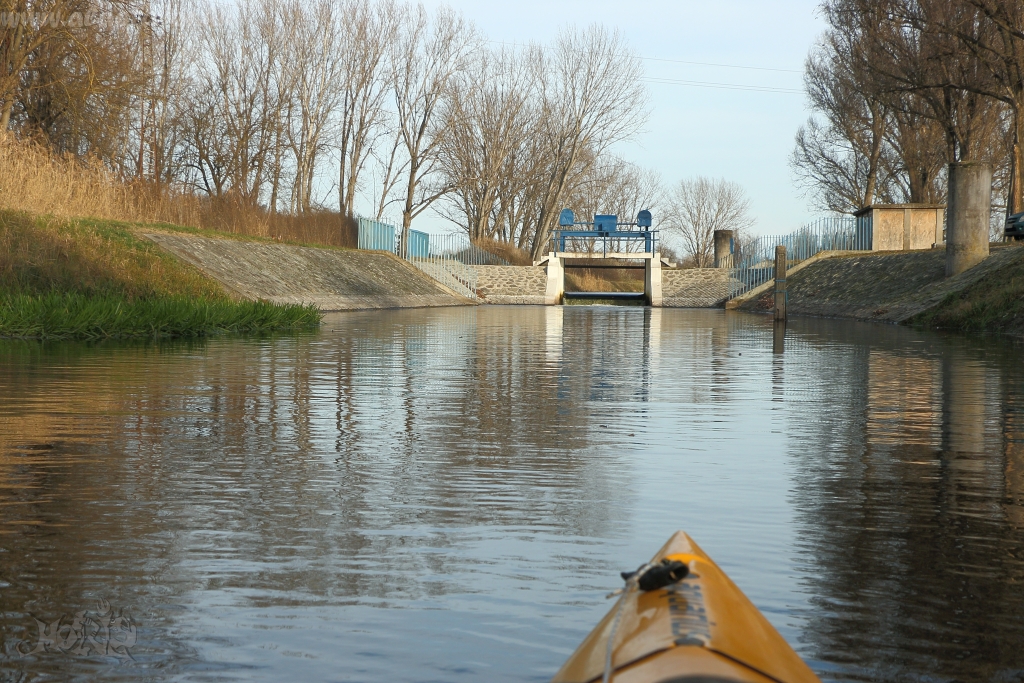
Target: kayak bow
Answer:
pixel 700 629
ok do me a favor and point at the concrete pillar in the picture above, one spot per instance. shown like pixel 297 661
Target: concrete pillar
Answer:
pixel 652 280
pixel 970 201
pixel 556 281
pixel 963 405
pixel 780 282
pixel 724 248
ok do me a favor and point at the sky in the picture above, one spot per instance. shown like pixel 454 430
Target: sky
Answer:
pixel 745 136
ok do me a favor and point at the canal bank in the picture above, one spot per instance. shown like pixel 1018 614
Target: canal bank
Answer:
pixel 94 279
pixel 908 288
pixel 87 279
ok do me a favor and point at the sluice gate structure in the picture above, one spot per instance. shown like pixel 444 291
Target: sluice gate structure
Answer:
pixel 603 243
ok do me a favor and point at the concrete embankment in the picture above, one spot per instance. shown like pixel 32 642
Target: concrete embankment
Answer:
pixel 695 287
pixel 890 287
pixel 511 284
pixel 331 279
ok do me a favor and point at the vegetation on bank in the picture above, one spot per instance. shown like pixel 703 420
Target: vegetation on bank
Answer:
pixel 91 279
pixel 993 304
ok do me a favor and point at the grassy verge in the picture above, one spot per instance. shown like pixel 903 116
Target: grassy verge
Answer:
pixel 89 279
pixel 994 304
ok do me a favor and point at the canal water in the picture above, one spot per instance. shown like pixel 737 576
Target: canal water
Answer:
pixel 449 494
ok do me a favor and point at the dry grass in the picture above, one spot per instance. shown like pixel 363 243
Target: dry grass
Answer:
pixel 45 254
pixel 511 253
pixel 993 304
pixel 35 181
pixel 604 279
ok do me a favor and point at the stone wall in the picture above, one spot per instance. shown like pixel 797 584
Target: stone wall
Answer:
pixel 695 287
pixel 331 279
pixel 511 284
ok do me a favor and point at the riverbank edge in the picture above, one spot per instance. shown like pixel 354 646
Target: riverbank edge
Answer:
pixel 332 279
pixel 84 279
pixel 907 288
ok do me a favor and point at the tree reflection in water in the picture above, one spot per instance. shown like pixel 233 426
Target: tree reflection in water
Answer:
pixel 460 486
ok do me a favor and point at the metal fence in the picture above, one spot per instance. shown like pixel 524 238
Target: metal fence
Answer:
pixel 376 236
pixel 755 260
pixel 448 259
pixel 618 242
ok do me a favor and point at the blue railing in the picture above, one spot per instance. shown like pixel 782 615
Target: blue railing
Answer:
pixel 376 236
pixel 419 245
pixel 448 259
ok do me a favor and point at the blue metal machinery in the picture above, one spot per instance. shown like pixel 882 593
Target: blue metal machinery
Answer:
pixel 604 228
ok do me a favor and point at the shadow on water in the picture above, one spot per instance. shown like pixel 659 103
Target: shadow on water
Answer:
pixel 460 486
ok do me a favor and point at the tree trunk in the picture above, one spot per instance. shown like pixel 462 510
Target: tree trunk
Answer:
pixel 1015 191
pixel 5 115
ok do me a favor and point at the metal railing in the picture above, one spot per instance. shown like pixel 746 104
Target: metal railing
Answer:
pixel 448 259
pixel 755 260
pixel 618 242
pixel 376 236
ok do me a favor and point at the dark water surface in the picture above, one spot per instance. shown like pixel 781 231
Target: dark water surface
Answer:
pixel 448 494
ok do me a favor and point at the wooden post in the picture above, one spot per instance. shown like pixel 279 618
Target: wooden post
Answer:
pixel 780 282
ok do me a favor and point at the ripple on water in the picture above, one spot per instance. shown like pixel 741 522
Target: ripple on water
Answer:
pixel 448 494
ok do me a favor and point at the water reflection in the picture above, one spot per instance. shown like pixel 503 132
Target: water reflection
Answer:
pixel 911 515
pixel 461 486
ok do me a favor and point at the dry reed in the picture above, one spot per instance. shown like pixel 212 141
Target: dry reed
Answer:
pixel 34 180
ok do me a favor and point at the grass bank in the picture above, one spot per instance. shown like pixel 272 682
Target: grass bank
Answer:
pixel 92 279
pixel 994 304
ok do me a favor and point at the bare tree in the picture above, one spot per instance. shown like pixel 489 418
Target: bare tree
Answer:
pixel 317 60
pixel 997 42
pixel 66 78
pixel 427 57
pixel 614 186
pixel 491 113
pixel 696 207
pixel 593 97
pixel 368 31
pixel 839 156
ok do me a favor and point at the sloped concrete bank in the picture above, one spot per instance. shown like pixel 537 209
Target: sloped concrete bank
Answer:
pixel 331 279
pixel 695 287
pixel 892 287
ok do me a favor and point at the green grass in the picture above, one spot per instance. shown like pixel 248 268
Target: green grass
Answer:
pixel 69 315
pixel 89 279
pixel 994 304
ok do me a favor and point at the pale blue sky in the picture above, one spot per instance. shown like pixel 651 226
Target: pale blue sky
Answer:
pixel 740 135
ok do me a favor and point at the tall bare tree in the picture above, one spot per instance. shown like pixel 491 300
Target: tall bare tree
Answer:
pixel 840 152
pixel 593 97
pixel 997 42
pixel 427 57
pixel 491 112
pixel 317 59
pixel 696 207
pixel 368 31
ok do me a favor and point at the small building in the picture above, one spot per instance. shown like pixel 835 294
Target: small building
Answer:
pixel 903 227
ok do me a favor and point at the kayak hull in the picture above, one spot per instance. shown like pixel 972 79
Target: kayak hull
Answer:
pixel 700 629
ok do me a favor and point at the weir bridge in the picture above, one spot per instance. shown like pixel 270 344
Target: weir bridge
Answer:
pixel 741 268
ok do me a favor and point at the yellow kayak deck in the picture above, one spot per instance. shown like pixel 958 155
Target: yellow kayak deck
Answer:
pixel 702 629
